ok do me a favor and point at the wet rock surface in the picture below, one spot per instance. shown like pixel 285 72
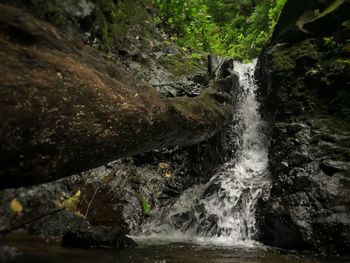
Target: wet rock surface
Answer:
pixel 306 98
pixel 9 254
pixel 309 203
pixel 112 195
pixel 97 237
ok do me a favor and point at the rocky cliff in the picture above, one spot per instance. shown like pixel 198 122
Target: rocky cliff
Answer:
pixel 305 75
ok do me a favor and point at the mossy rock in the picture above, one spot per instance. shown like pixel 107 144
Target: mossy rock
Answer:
pixel 180 65
pixel 285 58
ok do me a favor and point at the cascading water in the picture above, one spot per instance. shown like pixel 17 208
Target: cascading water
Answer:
pixel 223 210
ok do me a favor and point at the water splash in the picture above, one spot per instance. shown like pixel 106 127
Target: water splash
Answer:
pixel 223 210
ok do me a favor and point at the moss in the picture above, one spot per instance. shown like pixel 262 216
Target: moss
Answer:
pixel 110 21
pixel 343 61
pixel 102 26
pixel 50 11
pixel 331 123
pixel 210 105
pixel 284 58
pixel 337 66
pixel 114 20
pixel 179 65
pixel 309 79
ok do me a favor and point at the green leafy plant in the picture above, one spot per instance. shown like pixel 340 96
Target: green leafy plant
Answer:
pixel 236 28
pixel 145 205
pixel 330 44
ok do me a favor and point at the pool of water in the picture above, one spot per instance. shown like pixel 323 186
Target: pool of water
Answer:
pixel 152 251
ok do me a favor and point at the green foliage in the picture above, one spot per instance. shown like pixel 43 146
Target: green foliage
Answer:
pixel 188 22
pixel 145 205
pixel 236 28
pixel 330 44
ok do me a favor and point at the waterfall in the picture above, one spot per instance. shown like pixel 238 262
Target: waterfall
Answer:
pixel 223 210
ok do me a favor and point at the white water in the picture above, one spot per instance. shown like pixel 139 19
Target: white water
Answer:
pixel 223 210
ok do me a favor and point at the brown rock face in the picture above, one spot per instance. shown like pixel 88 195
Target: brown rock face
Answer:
pixel 66 107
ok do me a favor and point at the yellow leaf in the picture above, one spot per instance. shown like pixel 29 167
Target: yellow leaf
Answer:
pixel 79 214
pixel 168 174
pixel 72 202
pixel 16 206
pixel 164 165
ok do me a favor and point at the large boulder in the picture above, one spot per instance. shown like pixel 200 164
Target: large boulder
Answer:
pixel 305 81
pixel 97 237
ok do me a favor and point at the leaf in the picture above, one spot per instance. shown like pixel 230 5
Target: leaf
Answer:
pixel 220 26
pixel 164 165
pixel 145 205
pixel 72 202
pixel 16 206
pixel 168 174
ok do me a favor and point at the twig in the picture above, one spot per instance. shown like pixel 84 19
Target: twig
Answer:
pixel 92 198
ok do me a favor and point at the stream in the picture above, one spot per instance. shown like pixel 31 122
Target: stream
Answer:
pixel 35 251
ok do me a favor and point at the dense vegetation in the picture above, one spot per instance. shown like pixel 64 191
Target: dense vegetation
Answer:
pixel 237 28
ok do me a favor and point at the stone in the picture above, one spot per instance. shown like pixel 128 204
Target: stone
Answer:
pixel 9 254
pixel 97 237
pixel 330 167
